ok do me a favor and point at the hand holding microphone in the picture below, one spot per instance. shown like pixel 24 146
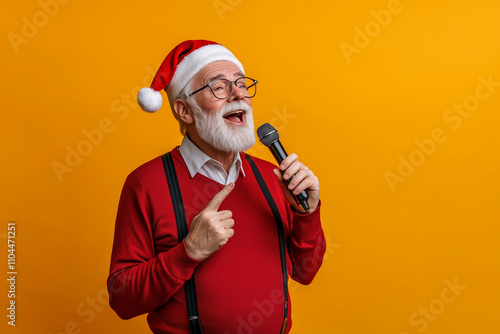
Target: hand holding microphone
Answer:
pixel 302 186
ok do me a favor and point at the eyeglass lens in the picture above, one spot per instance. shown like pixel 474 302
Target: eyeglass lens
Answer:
pixel 222 87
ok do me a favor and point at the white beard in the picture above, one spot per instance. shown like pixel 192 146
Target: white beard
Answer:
pixel 213 130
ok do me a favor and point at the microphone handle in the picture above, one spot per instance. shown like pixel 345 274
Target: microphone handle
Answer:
pixel 280 154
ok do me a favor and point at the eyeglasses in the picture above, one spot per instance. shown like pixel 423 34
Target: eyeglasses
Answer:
pixel 223 88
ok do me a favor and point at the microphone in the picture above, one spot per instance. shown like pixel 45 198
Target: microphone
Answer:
pixel 270 138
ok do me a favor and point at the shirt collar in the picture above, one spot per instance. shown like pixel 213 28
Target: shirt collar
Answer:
pixel 195 158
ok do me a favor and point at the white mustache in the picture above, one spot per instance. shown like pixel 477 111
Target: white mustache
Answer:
pixel 233 106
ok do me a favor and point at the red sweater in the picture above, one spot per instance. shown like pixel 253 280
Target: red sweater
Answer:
pixel 239 288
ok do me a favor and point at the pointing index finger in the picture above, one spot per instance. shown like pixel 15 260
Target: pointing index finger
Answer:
pixel 220 197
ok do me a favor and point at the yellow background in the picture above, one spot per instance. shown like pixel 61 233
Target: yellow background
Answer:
pixel 351 118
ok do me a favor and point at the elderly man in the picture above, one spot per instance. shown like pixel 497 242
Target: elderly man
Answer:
pixel 237 249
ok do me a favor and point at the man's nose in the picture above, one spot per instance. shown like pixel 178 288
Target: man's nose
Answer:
pixel 236 93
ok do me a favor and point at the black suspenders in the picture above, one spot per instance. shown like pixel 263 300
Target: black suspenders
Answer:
pixel 180 218
pixel 281 236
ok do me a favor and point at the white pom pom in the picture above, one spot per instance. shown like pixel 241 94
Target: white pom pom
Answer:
pixel 149 99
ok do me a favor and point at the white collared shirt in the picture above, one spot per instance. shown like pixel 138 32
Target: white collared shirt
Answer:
pixel 198 162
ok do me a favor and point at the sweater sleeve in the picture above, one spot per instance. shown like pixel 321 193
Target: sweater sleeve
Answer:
pixel 140 280
pixel 307 245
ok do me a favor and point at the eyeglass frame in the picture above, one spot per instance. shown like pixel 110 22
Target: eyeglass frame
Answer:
pixel 231 87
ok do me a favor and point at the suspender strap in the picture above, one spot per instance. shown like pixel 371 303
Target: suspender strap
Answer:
pixel 180 218
pixel 281 235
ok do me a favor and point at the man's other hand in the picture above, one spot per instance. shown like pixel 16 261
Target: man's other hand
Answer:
pixel 302 178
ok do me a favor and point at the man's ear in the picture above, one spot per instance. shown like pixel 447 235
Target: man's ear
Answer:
pixel 183 111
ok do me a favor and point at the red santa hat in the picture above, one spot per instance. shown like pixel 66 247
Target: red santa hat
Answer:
pixel 180 65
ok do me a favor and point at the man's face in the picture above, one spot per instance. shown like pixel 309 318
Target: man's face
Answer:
pixel 226 125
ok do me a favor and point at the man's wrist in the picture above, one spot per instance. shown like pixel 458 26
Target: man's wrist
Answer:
pixel 191 252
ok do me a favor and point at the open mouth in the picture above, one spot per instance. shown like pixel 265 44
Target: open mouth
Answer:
pixel 236 116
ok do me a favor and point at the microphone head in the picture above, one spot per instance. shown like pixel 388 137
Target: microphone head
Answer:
pixel 267 134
